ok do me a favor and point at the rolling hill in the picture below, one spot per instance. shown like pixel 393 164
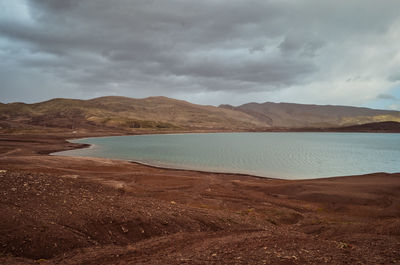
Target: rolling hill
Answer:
pixel 290 115
pixel 161 113
pixel 124 114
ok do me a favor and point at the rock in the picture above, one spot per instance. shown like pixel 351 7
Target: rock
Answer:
pixel 124 229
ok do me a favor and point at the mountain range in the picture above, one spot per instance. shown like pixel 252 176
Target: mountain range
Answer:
pixel 162 113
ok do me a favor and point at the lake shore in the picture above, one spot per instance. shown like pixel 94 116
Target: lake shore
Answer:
pixel 76 210
pixel 288 155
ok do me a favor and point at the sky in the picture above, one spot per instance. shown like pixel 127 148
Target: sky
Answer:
pixel 207 52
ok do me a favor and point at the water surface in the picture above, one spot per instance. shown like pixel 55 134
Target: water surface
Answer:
pixel 281 155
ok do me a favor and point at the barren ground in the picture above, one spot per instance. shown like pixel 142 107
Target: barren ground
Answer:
pixel 72 210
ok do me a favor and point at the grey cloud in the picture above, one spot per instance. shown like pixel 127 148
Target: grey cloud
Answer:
pixel 162 47
pixel 386 96
pixel 301 44
pixel 172 46
pixel 394 77
pixel 55 5
pixel 257 48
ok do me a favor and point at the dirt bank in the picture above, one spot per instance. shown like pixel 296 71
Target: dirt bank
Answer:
pixel 69 210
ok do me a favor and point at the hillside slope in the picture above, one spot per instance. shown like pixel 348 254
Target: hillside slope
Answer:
pixel 301 115
pixel 384 126
pixel 165 114
pixel 125 114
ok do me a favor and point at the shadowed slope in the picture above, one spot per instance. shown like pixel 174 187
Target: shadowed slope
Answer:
pixel 301 115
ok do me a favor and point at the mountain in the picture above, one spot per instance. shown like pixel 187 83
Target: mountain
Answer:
pixel 290 115
pixel 125 114
pixel 161 113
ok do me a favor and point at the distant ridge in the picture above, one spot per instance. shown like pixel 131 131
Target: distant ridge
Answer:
pixel 385 126
pixel 292 115
pixel 115 113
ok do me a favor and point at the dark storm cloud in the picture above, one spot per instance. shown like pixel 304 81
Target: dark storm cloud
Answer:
pixel 177 39
pixel 177 46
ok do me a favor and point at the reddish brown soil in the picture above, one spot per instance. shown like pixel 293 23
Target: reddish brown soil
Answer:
pixel 68 210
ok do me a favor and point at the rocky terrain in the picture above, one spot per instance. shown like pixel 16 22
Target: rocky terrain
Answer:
pixel 70 210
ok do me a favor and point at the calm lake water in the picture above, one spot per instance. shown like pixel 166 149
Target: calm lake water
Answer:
pixel 280 155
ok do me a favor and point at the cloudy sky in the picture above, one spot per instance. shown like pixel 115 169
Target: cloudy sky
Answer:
pixel 344 52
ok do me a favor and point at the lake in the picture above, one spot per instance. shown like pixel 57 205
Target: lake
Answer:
pixel 277 155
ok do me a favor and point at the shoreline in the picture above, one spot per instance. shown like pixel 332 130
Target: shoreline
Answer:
pixel 88 146
pixel 172 167
pixel 80 210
